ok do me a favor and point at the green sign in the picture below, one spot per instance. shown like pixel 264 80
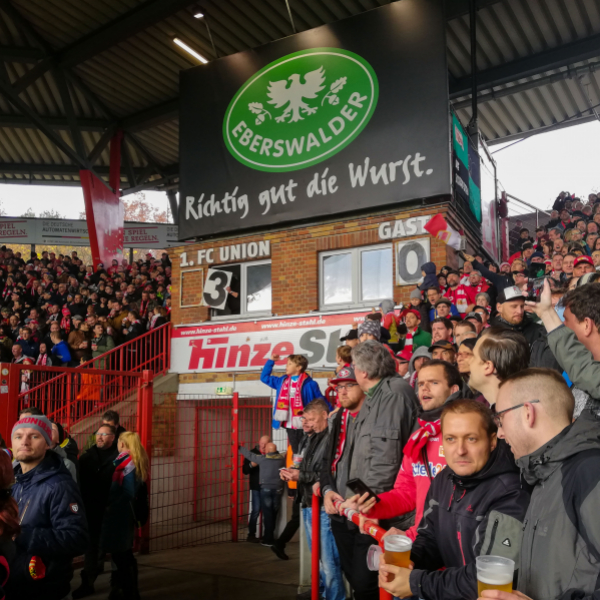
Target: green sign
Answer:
pixel 300 109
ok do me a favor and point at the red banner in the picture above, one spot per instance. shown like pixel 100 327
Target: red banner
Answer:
pixel 104 211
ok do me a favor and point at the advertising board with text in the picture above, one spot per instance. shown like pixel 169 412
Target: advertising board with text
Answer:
pixel 222 347
pixel 73 232
pixel 347 116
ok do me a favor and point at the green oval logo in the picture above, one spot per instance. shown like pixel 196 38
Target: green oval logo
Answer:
pixel 301 109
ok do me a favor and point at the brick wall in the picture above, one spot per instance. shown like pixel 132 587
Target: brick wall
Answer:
pixel 294 262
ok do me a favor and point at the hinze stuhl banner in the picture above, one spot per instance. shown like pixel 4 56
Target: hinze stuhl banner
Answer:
pixel 340 118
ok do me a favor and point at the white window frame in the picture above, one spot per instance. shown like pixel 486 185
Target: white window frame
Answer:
pixel 244 314
pixel 356 272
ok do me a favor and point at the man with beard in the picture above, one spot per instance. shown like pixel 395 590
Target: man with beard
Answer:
pixel 511 315
pixel 96 468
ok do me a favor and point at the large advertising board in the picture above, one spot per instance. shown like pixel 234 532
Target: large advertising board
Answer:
pixel 245 346
pixel 344 117
pixel 73 232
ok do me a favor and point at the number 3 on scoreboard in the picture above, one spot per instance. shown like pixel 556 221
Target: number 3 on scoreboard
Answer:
pixel 215 288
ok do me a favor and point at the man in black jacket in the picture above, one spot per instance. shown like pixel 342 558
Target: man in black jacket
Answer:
pixel 475 506
pixel 96 468
pixel 252 470
pixel 313 448
pixel 511 315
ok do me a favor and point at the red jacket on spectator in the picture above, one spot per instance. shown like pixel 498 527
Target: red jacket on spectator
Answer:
pixel 422 461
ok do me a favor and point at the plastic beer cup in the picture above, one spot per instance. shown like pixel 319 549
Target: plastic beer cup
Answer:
pixel 397 551
pixel 494 573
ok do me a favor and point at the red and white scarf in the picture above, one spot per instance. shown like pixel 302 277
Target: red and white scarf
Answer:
pixel 420 437
pixel 42 359
pixel 125 465
pixel 408 341
pixel 341 442
pixel 289 403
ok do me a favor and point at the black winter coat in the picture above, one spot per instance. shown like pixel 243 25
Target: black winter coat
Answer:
pixel 313 448
pixel 96 469
pixel 465 518
pixel 53 528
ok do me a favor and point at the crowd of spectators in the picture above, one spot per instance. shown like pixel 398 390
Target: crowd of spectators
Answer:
pixel 467 422
pixel 57 311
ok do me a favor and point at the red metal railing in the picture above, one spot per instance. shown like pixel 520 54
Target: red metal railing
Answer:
pixel 369 527
pixel 149 352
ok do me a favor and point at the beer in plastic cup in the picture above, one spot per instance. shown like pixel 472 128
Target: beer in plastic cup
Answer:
pixel 397 551
pixel 494 573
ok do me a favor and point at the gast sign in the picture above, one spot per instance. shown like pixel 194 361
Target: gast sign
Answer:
pixel 247 346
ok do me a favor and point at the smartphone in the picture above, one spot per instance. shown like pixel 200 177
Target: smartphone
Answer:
pixel 360 488
pixel 534 288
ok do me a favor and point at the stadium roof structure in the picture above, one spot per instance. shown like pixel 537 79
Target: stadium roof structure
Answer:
pixel 74 71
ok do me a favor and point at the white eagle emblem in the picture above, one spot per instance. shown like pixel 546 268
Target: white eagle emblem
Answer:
pixel 281 94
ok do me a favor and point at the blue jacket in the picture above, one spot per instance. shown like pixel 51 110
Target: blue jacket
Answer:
pixel 53 528
pixel 309 391
pixel 453 311
pixel 430 279
pixel 30 347
pixel 61 351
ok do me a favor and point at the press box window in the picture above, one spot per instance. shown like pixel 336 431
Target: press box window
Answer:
pixel 355 277
pixel 252 284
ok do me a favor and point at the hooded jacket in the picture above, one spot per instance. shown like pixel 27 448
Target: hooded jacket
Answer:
pixel 431 279
pixel 560 552
pixel 53 528
pixel 466 517
pixel 535 334
pixel 70 465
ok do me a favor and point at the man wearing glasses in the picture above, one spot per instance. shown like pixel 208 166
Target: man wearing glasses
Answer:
pixel 560 551
pixel 96 468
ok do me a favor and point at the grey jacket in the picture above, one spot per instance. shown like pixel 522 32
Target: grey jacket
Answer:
pixel 68 463
pixel 383 427
pixel 560 551
pixel 576 360
pixel 269 465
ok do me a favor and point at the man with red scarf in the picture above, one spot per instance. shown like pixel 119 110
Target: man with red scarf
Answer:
pixel 439 384
pixel 295 390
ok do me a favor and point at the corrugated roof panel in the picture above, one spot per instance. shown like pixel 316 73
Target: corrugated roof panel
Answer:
pixel 143 70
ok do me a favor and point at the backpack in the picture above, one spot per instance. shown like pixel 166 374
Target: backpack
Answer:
pixel 140 506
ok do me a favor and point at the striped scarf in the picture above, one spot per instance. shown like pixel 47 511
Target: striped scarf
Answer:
pixel 123 466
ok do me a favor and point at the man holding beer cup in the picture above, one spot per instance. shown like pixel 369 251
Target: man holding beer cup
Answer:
pixel 475 507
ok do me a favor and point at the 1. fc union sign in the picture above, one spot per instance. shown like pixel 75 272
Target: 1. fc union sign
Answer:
pixel 301 109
